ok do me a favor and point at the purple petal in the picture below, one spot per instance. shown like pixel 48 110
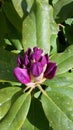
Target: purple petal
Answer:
pixel 36 69
pixel 19 61
pixel 27 59
pixel 47 58
pixel 36 49
pixel 22 75
pixel 50 70
pixel 28 52
pixel 43 60
pixel 36 55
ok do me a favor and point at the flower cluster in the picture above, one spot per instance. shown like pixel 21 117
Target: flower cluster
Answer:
pixel 34 68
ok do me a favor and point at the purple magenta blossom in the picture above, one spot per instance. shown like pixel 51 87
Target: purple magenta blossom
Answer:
pixel 34 67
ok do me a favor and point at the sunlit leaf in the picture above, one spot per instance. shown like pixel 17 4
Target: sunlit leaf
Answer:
pixel 6 95
pixel 28 126
pixel 64 60
pixel 61 80
pixel 58 107
pixel 29 4
pixel 41 29
pixel 17 114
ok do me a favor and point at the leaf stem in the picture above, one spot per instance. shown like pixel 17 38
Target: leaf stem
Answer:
pixel 42 90
pixel 26 88
pixel 30 90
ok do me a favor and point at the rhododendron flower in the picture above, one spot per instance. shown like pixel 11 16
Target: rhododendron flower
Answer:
pixel 34 68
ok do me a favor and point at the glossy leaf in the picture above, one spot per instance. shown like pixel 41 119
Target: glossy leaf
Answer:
pixel 17 114
pixel 20 7
pixel 58 107
pixel 39 33
pixel 28 126
pixel 29 4
pixel 6 95
pixel 29 32
pixel 61 80
pixel 64 60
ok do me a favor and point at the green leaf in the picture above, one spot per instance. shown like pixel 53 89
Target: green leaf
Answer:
pixel 17 114
pixel 53 43
pixel 64 60
pixel 58 107
pixel 29 32
pixel 7 64
pixel 63 10
pixel 20 7
pixel 54 1
pixel 61 80
pixel 28 126
pixel 2 25
pixel 69 21
pixel 39 33
pixel 6 95
pixel 12 15
pixel 29 4
pixel 14 36
pixel 69 33
pixel 35 115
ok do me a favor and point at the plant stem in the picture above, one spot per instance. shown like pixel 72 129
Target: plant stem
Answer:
pixel 42 90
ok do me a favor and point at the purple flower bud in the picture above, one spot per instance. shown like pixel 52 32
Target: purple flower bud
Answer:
pixel 50 70
pixel 43 60
pixel 22 75
pixel 34 68
pixel 19 61
pixel 26 60
pixel 36 55
pixel 27 57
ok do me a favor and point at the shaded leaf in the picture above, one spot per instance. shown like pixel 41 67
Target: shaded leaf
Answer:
pixel 12 15
pixel 63 10
pixel 36 116
pixel 7 64
pixel 3 27
pixel 69 33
